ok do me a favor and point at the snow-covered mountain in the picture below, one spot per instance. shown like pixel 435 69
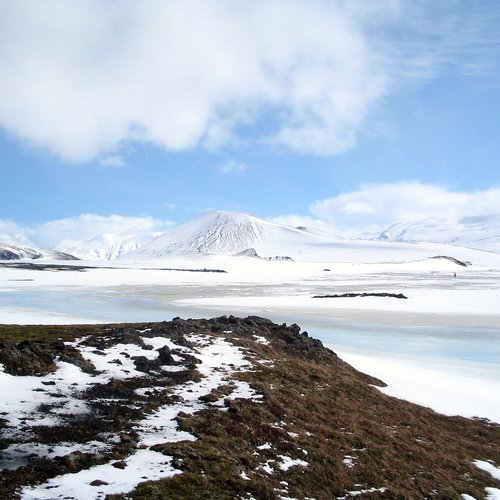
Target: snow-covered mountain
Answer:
pixel 14 252
pixel 227 233
pixel 234 233
pixel 107 246
pixel 482 232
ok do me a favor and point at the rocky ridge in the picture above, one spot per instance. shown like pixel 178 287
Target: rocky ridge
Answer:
pixel 217 408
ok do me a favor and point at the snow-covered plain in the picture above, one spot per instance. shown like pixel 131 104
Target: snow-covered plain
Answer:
pixel 450 319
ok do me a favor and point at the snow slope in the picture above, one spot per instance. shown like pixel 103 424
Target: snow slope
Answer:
pixel 481 232
pixel 232 233
pixel 14 252
pixel 227 233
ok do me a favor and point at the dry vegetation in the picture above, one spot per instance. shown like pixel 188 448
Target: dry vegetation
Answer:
pixel 315 408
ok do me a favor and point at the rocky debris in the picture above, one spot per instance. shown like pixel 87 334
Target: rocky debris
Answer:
pixel 364 294
pixel 38 358
pixel 6 254
pixel 98 482
pixel 249 252
pixel 75 461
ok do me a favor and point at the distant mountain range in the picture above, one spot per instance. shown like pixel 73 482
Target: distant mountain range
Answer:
pixel 235 233
pixel 481 232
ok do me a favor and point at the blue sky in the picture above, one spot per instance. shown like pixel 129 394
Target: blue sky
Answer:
pixel 297 110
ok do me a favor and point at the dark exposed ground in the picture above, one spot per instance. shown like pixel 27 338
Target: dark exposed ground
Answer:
pixel 361 294
pixel 315 407
pixel 43 266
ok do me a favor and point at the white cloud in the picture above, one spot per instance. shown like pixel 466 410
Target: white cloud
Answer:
pixel 375 207
pixel 81 78
pixel 11 232
pixel 231 167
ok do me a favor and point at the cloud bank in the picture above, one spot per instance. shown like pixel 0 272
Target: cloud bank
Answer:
pixel 78 79
pixel 81 79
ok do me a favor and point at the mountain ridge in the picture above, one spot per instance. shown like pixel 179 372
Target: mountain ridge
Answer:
pixel 480 232
pixel 9 251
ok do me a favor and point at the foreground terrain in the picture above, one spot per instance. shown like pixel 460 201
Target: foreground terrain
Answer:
pixel 220 408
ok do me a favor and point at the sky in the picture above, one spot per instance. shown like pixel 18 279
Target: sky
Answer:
pixel 346 115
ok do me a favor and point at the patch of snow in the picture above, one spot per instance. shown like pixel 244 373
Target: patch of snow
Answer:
pixel 492 493
pixel 244 476
pixel 261 340
pixel 494 472
pixel 16 455
pixel 287 462
pixel 243 390
pixel 266 467
pixel 141 466
pixel 21 396
pixel 265 446
pixel 357 493
pixel 489 468
pixel 158 342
